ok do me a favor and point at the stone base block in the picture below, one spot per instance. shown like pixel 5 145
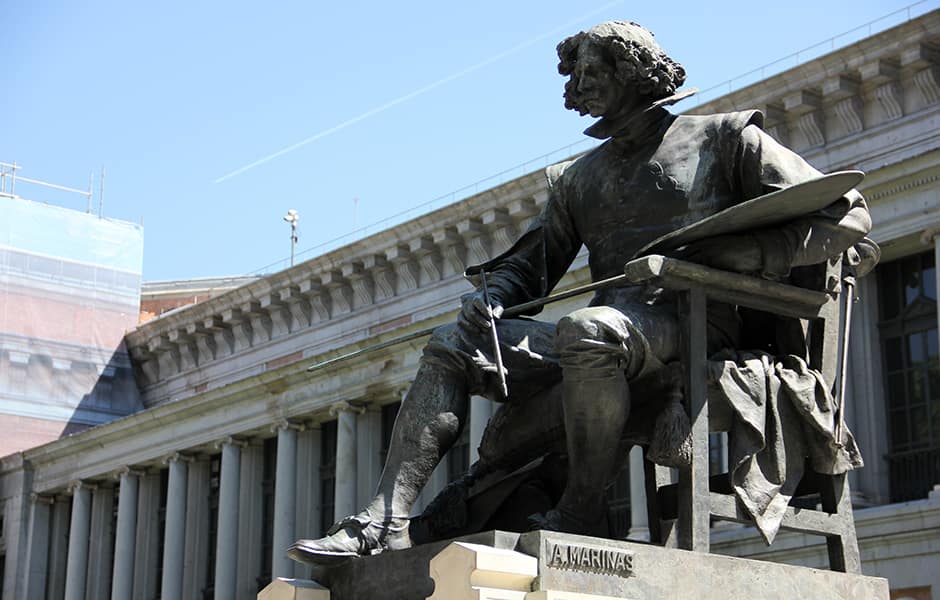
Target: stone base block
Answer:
pixel 400 575
pixel 294 589
pixel 464 571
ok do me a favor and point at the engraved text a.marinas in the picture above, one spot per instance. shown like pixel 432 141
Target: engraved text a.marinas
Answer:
pixel 584 558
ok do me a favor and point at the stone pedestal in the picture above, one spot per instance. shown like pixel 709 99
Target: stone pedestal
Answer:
pixel 294 589
pixel 545 565
pixel 571 563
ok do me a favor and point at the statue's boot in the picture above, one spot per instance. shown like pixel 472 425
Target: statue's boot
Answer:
pixel 428 424
pixel 596 410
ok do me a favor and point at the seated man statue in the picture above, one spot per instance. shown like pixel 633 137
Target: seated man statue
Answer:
pixel 654 173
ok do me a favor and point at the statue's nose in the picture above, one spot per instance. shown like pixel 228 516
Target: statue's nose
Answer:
pixel 583 84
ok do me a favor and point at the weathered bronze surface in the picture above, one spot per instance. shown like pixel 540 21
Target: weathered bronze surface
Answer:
pixel 581 391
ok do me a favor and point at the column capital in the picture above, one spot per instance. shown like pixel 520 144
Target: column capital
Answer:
pixel 127 470
pixel 230 441
pixel 282 424
pixel 41 499
pixel 929 236
pixel 344 406
pixel 78 484
pixel 176 457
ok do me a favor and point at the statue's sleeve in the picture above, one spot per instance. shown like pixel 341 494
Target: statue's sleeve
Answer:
pixel 532 267
pixel 762 165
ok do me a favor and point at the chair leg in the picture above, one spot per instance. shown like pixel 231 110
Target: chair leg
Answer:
pixel 843 548
pixel 694 520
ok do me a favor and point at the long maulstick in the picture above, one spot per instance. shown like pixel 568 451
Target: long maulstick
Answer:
pixel 512 311
pixel 497 355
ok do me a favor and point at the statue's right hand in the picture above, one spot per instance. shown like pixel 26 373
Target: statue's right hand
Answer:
pixel 475 313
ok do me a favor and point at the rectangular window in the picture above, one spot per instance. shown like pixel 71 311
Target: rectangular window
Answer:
pixel 18 379
pixel 389 414
pixel 161 516
pixel 268 475
pixel 215 465
pixel 716 462
pixel 114 519
pixel 327 474
pixel 907 296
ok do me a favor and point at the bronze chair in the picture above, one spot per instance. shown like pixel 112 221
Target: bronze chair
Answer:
pixel 681 514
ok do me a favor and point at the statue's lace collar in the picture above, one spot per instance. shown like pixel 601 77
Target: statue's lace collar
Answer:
pixel 637 126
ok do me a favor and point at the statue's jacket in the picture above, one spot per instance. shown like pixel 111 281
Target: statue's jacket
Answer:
pixel 657 172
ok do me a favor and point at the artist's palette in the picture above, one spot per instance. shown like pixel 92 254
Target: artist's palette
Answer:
pixel 774 208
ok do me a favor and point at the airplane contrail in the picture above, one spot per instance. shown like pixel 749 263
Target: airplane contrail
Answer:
pixel 415 93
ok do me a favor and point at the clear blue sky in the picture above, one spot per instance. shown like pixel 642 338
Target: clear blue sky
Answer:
pixel 390 103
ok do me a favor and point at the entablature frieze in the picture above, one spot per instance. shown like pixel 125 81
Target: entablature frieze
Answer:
pixel 379 272
pixel 203 423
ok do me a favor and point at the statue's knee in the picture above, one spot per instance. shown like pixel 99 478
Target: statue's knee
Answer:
pixel 588 346
pixel 573 329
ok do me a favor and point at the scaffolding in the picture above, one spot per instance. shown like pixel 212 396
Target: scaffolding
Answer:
pixel 9 178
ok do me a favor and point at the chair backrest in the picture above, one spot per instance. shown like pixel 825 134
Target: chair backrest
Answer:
pixel 804 318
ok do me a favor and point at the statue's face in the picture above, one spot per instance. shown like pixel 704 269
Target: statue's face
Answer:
pixel 595 89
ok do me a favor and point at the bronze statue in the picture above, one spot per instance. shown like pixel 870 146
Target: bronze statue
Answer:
pixel 654 173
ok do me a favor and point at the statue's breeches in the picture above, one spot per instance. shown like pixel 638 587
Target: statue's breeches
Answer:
pixel 587 343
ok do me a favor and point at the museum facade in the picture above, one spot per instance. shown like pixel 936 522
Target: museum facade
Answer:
pixel 239 450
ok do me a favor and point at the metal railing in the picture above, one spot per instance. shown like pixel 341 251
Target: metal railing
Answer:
pixel 913 473
pixel 9 178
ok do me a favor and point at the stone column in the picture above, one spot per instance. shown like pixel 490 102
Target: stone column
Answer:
pixel 147 559
pixel 58 546
pixel 346 458
pixel 481 410
pixel 226 540
pixel 368 454
pixel 639 519
pixel 122 581
pixel 285 496
pixel 308 483
pixel 865 412
pixel 174 537
pixel 723 437
pixel 77 565
pixel 196 544
pixel 100 548
pixel 249 520
pixel 931 237
pixel 37 549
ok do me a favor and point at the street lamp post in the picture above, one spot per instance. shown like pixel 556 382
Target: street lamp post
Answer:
pixel 292 217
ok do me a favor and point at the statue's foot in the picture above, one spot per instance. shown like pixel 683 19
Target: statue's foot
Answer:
pixel 564 521
pixel 354 536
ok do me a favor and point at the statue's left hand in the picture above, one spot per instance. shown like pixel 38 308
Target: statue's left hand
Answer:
pixel 739 253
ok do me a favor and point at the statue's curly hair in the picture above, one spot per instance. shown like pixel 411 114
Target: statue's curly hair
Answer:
pixel 638 63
